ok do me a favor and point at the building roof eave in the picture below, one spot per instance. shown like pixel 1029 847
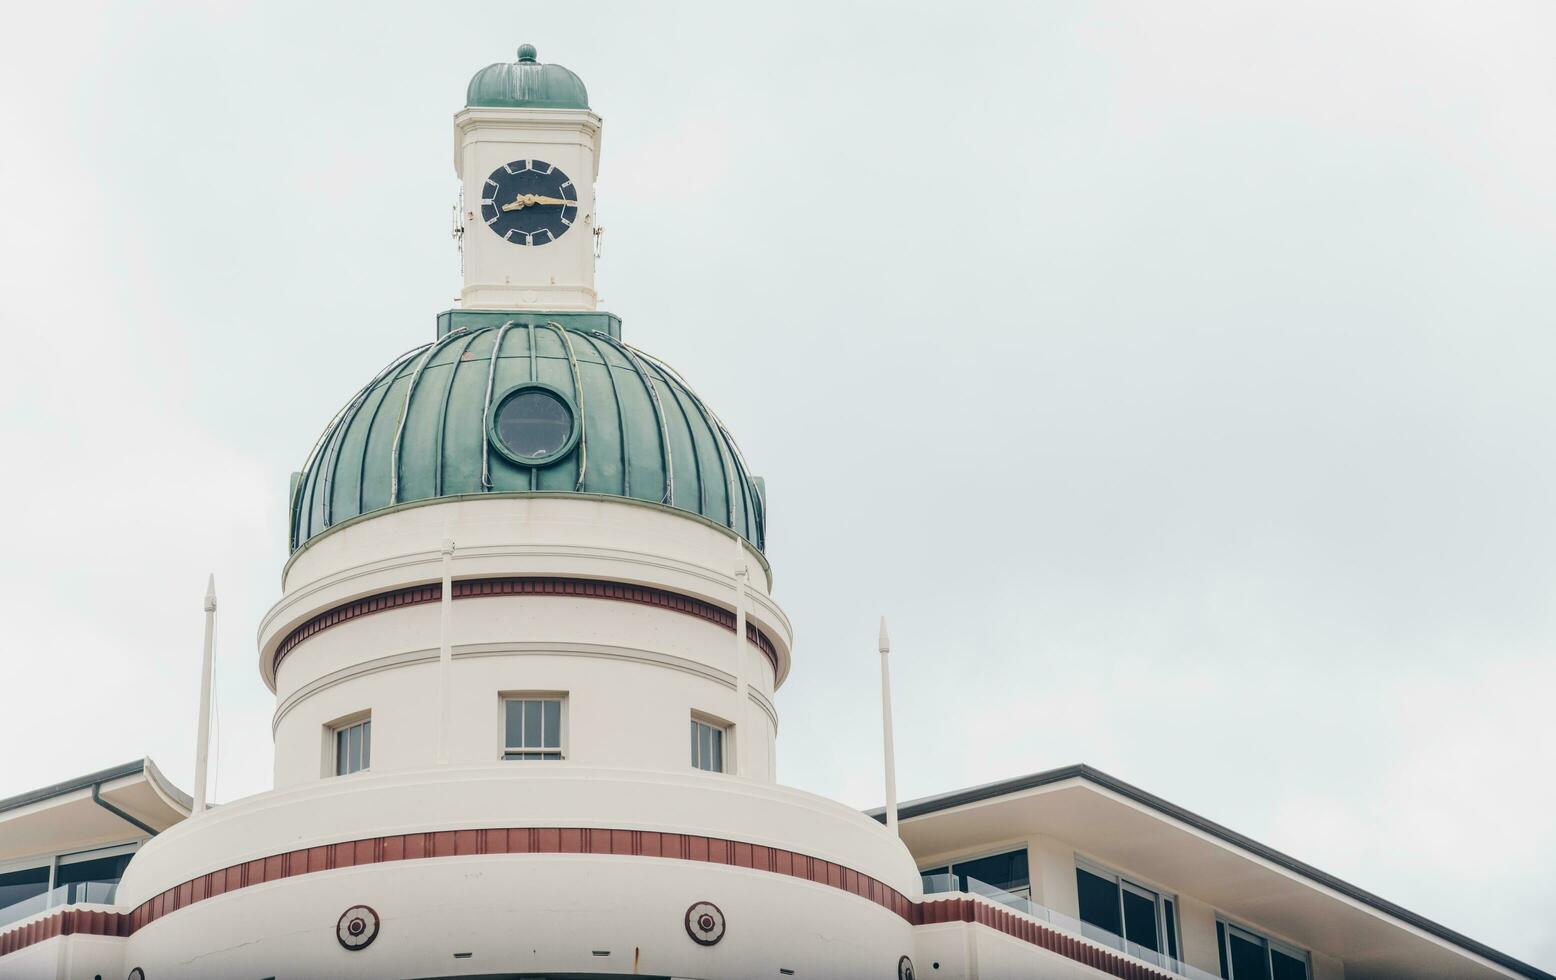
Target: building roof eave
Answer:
pixel 939 803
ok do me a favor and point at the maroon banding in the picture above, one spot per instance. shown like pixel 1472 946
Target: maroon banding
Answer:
pixel 523 585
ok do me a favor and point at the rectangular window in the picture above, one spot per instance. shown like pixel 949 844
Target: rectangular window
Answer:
pixel 1142 917
pixel 353 747
pixel 1006 871
pixel 707 746
pixel 1247 955
pixel 91 876
pixel 532 727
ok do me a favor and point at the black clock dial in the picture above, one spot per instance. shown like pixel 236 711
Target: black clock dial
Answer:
pixel 529 202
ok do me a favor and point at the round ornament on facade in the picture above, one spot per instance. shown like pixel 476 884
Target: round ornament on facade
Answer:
pixel 137 974
pixel 357 927
pixel 533 424
pixel 705 923
pixel 905 969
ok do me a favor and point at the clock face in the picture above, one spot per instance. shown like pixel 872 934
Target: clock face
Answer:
pixel 529 202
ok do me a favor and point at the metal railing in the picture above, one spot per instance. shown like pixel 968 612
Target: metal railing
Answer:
pixel 940 884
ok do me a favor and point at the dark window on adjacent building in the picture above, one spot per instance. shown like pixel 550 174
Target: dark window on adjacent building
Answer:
pixel 1006 871
pixel 1246 955
pixel 95 880
pixel 22 893
pixel 1143 917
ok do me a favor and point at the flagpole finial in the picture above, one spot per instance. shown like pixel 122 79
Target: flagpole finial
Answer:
pixel 885 646
pixel 210 593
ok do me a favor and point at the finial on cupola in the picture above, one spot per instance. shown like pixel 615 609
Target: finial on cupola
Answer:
pixel 527 54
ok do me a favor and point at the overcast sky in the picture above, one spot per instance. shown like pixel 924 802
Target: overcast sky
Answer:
pixel 1180 379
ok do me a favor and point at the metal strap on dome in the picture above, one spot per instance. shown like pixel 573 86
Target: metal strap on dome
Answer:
pixel 405 412
pixel 448 391
pixel 583 418
pixel 486 406
pixel 334 435
pixel 621 418
pixel 759 516
pixel 659 412
pixel 713 430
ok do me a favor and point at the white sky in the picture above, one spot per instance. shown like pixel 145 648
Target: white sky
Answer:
pixel 1177 377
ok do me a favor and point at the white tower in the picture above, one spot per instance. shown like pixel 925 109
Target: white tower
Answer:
pixel 527 151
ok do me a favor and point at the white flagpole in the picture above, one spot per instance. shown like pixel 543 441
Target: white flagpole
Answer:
pixel 891 752
pixel 203 747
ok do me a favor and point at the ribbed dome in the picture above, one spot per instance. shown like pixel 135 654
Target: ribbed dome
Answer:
pixel 527 84
pixel 431 425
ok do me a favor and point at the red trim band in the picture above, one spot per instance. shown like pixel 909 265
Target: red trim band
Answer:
pixel 571 840
pixel 523 585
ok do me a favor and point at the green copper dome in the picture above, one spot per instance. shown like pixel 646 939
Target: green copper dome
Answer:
pixel 513 404
pixel 527 84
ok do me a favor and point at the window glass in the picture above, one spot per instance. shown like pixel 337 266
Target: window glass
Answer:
pixel 1140 918
pixel 532 728
pixel 90 881
pixel 1098 901
pixel 534 423
pixel 707 747
pixel 1286 967
pixel 1170 919
pixel 22 893
pixel 1221 948
pixel 1246 951
pixel 353 748
pixel 1007 871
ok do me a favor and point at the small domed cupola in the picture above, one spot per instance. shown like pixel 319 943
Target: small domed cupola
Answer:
pixel 526 84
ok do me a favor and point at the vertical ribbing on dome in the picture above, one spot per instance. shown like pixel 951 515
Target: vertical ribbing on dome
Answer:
pixel 405 411
pixel 691 437
pixel 317 480
pixel 583 418
pixel 713 432
pixel 372 420
pixel 448 391
pixel 621 417
pixel 486 407
pixel 659 412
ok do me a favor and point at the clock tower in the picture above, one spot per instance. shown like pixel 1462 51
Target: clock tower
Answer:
pixel 527 151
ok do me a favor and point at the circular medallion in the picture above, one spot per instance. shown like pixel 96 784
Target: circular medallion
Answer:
pixel 357 928
pixel 705 923
pixel 904 969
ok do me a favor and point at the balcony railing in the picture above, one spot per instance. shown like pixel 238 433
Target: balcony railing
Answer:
pixel 947 883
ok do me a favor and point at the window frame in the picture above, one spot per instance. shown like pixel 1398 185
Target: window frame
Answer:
pixel 726 742
pixel 1224 926
pixel 1163 896
pixel 331 763
pixel 560 753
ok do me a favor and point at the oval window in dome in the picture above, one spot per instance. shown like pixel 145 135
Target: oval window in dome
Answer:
pixel 533 424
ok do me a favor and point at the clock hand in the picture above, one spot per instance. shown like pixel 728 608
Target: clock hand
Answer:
pixel 531 200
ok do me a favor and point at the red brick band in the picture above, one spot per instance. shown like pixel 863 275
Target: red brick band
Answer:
pixel 571 840
pixel 524 585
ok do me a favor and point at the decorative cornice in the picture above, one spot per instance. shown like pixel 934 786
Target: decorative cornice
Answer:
pixel 522 585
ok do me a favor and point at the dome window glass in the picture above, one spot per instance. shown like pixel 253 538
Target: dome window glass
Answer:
pixel 534 424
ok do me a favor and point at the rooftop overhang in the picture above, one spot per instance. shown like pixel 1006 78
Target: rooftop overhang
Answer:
pixel 1111 821
pixel 118 804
